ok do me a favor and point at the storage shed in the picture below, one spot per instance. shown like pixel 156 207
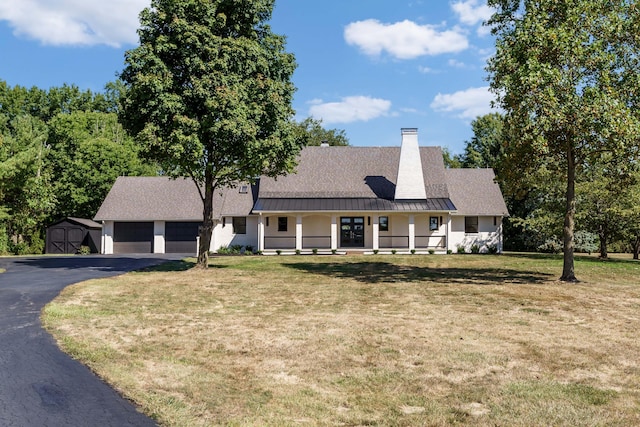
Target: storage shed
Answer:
pixel 68 235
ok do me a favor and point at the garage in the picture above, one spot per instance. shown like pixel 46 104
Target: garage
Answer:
pixel 133 237
pixel 181 237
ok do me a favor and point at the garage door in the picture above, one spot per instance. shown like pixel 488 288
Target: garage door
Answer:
pixel 180 237
pixel 133 237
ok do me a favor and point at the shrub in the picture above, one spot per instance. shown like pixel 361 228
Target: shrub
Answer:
pixel 586 242
pixel 333 251
pixel 278 251
pixel 413 251
pixel 315 251
pixel 375 251
pixel 492 249
pixel 475 249
pixel 551 246
pixel 84 250
pixel 248 249
pixel 19 248
pixel 393 251
pixel 461 249
pixel 297 251
pixel 432 251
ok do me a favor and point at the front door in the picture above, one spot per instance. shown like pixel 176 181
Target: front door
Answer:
pixel 352 232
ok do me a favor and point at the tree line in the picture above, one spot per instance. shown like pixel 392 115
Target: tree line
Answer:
pixel 61 149
pixel 607 198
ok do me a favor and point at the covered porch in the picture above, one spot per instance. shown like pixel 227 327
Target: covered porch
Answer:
pixel 353 231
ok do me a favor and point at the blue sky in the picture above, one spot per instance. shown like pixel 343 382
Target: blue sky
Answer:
pixel 369 67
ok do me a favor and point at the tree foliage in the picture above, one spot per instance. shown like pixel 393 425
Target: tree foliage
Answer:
pixel 208 93
pixel 312 133
pixel 484 150
pixel 60 152
pixel 89 151
pixel 566 76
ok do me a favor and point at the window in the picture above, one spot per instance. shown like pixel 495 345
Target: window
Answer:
pixel 244 189
pixel 282 223
pixel 239 225
pixel 434 224
pixel 384 223
pixel 470 224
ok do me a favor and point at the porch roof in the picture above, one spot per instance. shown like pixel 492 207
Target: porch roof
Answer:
pixel 351 205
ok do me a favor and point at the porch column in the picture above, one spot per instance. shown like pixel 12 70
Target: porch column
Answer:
pixel 412 232
pixel 376 232
pixel 260 233
pixel 299 232
pixel 448 232
pixel 334 232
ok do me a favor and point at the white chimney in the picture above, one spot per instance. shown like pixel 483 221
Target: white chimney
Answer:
pixel 410 185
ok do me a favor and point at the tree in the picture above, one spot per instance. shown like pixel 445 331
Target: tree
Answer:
pixel 566 75
pixel 313 133
pixel 451 161
pixel 208 94
pixel 26 196
pixel 604 196
pixel 485 148
pixel 88 151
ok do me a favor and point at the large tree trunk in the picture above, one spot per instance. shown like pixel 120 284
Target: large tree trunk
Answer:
pixel 568 270
pixel 207 223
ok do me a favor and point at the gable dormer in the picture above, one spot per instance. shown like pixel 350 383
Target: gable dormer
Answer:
pixel 410 184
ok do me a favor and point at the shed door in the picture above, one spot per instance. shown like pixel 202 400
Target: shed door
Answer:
pixel 57 240
pixel 65 240
pixel 75 236
pixel 133 237
pixel 180 237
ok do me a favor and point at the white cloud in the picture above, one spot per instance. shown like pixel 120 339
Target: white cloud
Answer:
pixel 465 104
pixel 350 109
pixel 472 12
pixel 456 64
pixel 74 22
pixel 403 40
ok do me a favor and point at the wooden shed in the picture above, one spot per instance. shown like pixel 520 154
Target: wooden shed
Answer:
pixel 70 234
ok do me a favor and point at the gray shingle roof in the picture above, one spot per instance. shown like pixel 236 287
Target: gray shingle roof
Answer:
pixel 166 199
pixel 475 192
pixel 353 172
pixel 151 198
pixel 327 178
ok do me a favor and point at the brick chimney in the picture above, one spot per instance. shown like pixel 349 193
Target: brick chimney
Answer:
pixel 410 184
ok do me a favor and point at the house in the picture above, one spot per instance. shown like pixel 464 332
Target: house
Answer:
pixel 339 198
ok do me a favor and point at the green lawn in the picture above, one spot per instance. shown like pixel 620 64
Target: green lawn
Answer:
pixel 365 340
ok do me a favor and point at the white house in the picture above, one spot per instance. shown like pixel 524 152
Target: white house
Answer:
pixel 339 198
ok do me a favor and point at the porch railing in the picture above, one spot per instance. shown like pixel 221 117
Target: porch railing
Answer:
pixel 431 242
pixel 316 242
pixel 279 242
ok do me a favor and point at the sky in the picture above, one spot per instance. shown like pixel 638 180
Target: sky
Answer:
pixel 368 67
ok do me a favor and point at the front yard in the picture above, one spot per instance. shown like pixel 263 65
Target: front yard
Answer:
pixel 365 340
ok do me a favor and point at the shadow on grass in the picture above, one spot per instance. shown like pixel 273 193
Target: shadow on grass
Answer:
pixel 582 257
pixel 385 272
pixel 170 266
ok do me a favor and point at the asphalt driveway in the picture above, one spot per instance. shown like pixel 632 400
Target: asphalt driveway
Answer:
pixel 40 385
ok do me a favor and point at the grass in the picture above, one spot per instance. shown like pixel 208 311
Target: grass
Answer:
pixel 385 340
